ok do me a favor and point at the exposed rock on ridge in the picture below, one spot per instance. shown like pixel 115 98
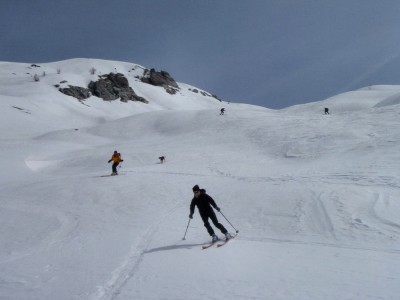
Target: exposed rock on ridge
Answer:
pixel 113 86
pixel 78 92
pixel 161 78
pixel 109 87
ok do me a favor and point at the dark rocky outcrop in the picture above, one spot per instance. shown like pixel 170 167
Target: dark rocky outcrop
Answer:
pixel 113 86
pixel 109 87
pixel 78 92
pixel 161 78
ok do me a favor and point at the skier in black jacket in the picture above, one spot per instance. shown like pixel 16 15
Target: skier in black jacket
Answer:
pixel 204 203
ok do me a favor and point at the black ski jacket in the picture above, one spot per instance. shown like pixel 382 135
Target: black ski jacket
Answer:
pixel 203 203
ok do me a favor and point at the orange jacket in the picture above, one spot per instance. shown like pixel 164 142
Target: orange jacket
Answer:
pixel 116 158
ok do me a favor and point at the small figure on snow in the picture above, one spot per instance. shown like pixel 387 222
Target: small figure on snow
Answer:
pixel 162 159
pixel 222 111
pixel 204 204
pixel 116 159
pixel 326 110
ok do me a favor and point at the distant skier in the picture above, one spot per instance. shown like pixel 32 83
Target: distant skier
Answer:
pixel 326 111
pixel 204 203
pixel 116 159
pixel 222 111
pixel 162 159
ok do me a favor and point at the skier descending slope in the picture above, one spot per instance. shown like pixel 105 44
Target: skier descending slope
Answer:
pixel 204 203
pixel 116 159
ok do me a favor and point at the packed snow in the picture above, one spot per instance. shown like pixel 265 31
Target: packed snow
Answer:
pixel 315 197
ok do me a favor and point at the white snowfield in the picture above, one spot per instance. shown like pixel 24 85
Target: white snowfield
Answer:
pixel 315 197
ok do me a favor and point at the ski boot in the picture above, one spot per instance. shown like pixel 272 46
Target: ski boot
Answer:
pixel 228 236
pixel 215 238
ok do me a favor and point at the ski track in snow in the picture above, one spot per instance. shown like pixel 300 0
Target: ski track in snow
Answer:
pixel 323 244
pixel 316 208
pixel 64 228
pixel 392 225
pixel 127 269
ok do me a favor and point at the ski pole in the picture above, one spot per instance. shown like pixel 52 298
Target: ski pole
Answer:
pixel 186 230
pixel 237 231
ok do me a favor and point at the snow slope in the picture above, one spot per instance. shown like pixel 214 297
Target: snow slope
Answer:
pixel 315 196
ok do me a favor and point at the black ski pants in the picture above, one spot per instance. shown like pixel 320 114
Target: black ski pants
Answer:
pixel 211 214
pixel 114 167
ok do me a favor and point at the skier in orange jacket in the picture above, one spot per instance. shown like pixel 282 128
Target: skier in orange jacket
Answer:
pixel 116 159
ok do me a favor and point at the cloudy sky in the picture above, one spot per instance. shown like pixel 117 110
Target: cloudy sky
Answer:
pixel 273 53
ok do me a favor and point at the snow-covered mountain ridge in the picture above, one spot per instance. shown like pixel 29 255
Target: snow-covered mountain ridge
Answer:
pixel 315 196
pixel 22 94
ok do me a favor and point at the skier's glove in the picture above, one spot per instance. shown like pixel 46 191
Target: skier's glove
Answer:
pixel 191 216
pixel 218 209
pixel 109 161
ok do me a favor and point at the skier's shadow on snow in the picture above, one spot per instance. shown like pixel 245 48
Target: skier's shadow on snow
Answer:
pixel 173 247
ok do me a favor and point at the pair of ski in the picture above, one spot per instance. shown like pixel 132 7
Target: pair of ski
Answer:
pixel 112 175
pixel 218 243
